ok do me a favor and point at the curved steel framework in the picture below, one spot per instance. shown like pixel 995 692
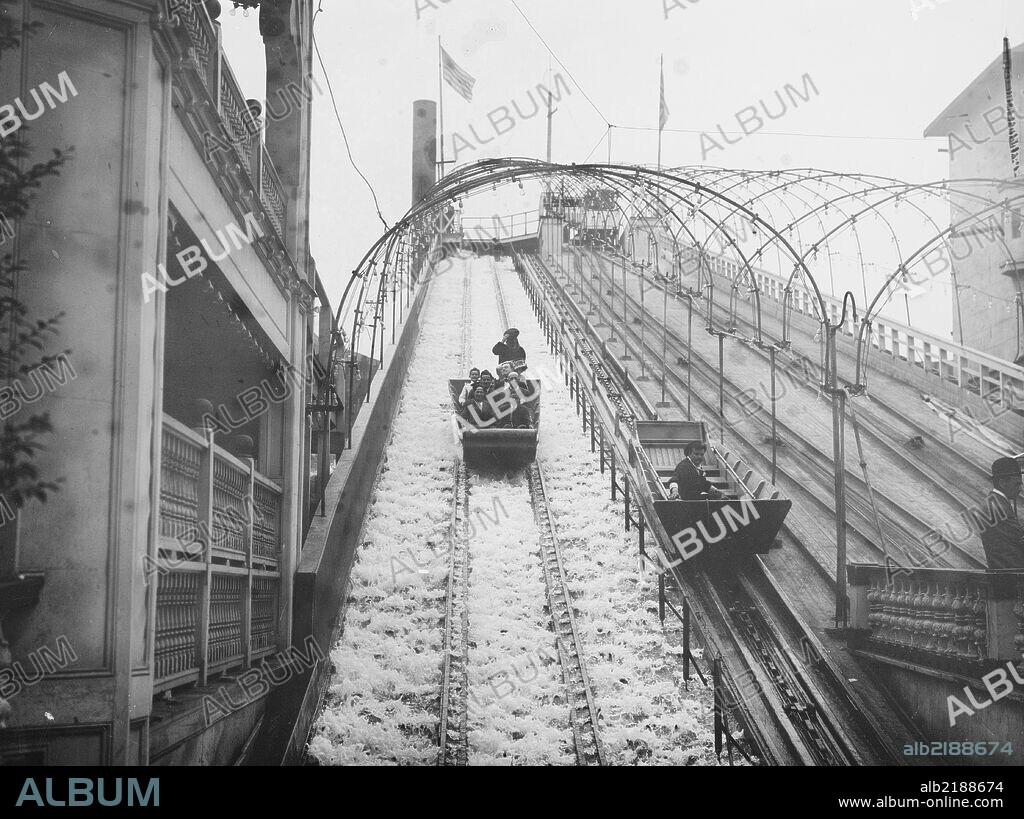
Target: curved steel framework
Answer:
pixel 792 223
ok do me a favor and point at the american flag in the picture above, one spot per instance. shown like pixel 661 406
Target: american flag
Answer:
pixel 458 79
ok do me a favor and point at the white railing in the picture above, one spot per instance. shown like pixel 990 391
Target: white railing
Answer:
pixel 502 228
pixel 971 370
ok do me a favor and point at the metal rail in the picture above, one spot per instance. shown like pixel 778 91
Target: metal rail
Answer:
pixel 955 462
pixel 583 713
pixel 453 736
pixel 811 730
pixel 453 733
pixel 906 538
pixel 802 707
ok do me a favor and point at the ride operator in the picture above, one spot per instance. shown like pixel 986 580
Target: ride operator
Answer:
pixel 508 349
pixel 688 481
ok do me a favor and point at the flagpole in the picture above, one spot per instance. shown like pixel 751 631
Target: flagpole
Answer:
pixel 550 115
pixel 661 124
pixel 440 102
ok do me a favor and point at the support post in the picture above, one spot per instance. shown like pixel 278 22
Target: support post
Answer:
pixel 775 442
pixel 689 356
pixel 664 347
pixel 721 388
pixel 839 460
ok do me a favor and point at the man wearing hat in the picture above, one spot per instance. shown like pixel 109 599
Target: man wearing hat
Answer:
pixel 508 349
pixel 1003 540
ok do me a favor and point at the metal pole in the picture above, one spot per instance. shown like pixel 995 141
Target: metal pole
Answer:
pixel 370 359
pixel 664 345
pixel 348 406
pixel 689 355
pixel 721 387
pixel 625 319
pixel 774 436
pixel 838 455
pixel 611 308
pixel 686 642
pixel 643 325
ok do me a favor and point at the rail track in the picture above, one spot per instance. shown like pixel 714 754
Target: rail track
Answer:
pixel 893 429
pixel 816 719
pixel 583 713
pixel 905 529
pixel 946 468
pixel 453 732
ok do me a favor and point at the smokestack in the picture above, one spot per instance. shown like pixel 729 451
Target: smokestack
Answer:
pixel 424 148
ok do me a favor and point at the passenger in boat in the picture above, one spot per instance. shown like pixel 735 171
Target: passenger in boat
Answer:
pixel 503 372
pixel 487 382
pixel 519 416
pixel 467 391
pixel 508 349
pixel 688 480
pixel 1002 535
pixel 479 411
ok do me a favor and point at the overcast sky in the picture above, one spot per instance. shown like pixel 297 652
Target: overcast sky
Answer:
pixel 881 76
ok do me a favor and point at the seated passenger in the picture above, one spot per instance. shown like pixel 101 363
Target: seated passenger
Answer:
pixel 522 415
pixel 479 411
pixel 524 389
pixel 503 372
pixel 487 382
pixel 467 391
pixel 519 416
pixel 688 480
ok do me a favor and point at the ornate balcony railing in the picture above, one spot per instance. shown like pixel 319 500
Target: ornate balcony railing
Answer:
pixel 216 571
pixel 964 622
pixel 199 38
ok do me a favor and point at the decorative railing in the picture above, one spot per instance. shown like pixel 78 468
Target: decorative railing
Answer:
pixel 216 570
pixel 200 40
pixel 971 370
pixel 996 380
pixel 502 228
pixel 965 622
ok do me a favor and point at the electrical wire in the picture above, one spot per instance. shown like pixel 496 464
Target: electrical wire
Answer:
pixel 337 116
pixel 566 70
pixel 598 145
pixel 777 133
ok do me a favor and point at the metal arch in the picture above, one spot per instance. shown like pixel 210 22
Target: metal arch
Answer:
pixel 902 270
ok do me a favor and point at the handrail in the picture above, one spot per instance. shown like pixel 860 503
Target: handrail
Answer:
pixel 916 347
pixel 647 468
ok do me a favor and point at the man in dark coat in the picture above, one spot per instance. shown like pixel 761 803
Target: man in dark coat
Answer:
pixel 688 481
pixel 508 349
pixel 1002 535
